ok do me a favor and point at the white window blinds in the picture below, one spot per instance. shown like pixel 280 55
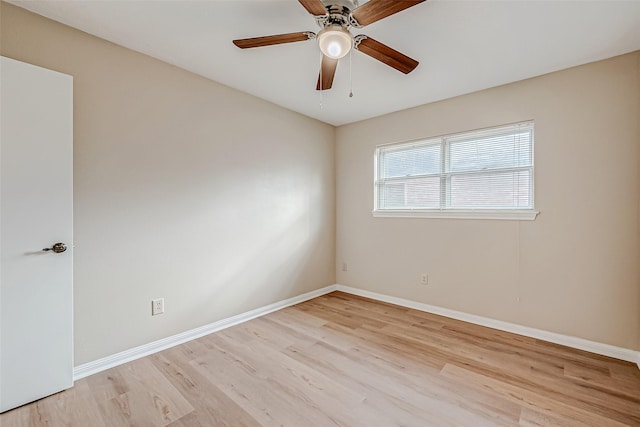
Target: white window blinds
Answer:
pixel 489 169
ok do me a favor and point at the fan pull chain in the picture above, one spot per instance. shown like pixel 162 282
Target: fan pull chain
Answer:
pixel 350 75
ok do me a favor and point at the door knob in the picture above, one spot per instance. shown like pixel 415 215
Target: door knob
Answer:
pixel 57 248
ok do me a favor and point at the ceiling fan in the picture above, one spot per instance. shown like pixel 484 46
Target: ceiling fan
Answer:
pixel 335 18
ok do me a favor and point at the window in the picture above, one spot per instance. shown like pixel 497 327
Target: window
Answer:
pixel 480 174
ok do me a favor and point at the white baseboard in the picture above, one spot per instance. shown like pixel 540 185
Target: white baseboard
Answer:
pixel 566 340
pixel 114 360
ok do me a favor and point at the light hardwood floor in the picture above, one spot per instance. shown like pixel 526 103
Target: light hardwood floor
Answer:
pixel 342 360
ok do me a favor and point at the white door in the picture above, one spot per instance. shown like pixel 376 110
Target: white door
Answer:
pixel 36 196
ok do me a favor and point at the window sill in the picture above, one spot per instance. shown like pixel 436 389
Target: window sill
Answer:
pixel 518 215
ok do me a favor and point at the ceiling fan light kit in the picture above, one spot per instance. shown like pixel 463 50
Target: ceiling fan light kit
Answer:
pixel 335 41
pixel 335 18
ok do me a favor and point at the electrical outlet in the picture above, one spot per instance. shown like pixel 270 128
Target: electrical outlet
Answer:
pixel 424 279
pixel 157 306
pixel 344 266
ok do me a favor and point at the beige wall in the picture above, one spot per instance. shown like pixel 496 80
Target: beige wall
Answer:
pixel 575 269
pixel 638 177
pixel 184 189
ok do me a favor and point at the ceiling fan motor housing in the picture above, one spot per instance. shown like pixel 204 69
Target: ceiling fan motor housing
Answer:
pixel 336 15
pixel 349 4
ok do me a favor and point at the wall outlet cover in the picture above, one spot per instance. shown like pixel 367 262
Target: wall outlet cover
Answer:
pixel 157 306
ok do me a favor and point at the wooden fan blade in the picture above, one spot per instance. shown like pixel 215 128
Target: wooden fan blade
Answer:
pixel 271 40
pixel 314 7
pixel 325 78
pixel 389 56
pixel 376 10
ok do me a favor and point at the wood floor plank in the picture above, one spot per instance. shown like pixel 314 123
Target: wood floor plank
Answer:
pixel 72 407
pixel 269 402
pixel 533 418
pixel 536 401
pixel 149 397
pixel 287 319
pixel 212 407
pixel 411 391
pixel 589 392
pixel 345 360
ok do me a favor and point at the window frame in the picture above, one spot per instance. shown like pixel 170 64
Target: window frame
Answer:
pixel 445 178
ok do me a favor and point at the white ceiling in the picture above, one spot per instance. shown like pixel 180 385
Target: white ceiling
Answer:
pixel 462 46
